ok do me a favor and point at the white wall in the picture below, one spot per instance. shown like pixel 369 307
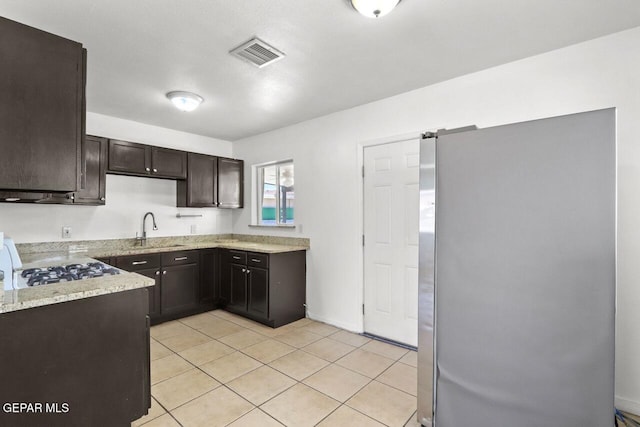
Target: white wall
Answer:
pixel 128 198
pixel 597 74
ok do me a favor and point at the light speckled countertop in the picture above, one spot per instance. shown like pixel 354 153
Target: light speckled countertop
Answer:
pixel 269 248
pixel 20 299
pixel 118 247
pixel 46 254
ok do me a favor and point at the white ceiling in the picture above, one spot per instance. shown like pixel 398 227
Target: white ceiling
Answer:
pixel 140 49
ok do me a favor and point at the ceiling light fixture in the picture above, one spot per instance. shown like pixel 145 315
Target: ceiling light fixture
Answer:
pixel 185 101
pixel 374 8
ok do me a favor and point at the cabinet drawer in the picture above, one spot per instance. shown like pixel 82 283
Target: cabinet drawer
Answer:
pixel 238 257
pixel 138 262
pixel 180 258
pixel 257 260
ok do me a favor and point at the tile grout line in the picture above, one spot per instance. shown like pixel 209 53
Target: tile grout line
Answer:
pixel 296 381
pixel 392 386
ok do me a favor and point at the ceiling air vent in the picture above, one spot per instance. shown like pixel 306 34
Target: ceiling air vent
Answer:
pixel 257 52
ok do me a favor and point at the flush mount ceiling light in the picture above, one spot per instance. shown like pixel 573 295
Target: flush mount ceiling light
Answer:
pixel 185 101
pixel 374 8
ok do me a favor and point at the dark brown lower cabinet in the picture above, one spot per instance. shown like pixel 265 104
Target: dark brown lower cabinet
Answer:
pixel 209 270
pixel 258 286
pixel 268 288
pixel 179 289
pixel 177 292
pixel 78 363
pixel 154 291
pixel 238 283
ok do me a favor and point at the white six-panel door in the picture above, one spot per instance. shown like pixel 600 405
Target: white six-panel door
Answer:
pixel 391 207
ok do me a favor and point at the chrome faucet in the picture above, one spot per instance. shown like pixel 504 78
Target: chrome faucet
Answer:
pixel 143 238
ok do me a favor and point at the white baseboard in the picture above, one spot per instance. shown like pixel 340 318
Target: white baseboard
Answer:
pixel 630 406
pixel 341 325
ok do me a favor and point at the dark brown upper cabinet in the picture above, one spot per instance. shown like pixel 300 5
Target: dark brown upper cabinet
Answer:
pixel 130 158
pixel 95 162
pixel 168 163
pixel 95 177
pixel 42 110
pixel 230 183
pixel 200 189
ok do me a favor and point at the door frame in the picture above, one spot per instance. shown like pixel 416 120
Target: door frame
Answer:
pixel 360 157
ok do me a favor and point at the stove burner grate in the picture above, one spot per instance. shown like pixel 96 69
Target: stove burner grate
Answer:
pixel 57 274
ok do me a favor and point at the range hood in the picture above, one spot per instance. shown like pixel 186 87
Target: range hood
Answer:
pixel 25 197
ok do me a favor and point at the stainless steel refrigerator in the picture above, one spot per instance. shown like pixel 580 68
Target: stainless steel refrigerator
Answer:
pixel 517 274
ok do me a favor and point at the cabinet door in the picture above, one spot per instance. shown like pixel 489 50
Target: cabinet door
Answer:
pixel 258 283
pixel 90 353
pixel 238 298
pixel 95 172
pixel 129 158
pixel 200 188
pixel 209 271
pixel 154 291
pixel 230 183
pixel 41 113
pixel 179 288
pixel 225 277
pixel 167 163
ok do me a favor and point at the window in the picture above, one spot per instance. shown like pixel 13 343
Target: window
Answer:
pixel 276 198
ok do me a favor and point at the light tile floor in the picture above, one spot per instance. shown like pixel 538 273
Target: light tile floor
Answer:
pixel 219 369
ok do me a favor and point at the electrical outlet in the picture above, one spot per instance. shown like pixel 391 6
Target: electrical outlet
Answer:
pixel 66 232
pixel 194 229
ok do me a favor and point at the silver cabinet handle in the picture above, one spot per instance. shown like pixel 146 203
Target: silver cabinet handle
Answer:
pixel 158 273
pixel 164 272
pixel 244 270
pixel 147 169
pixel 102 199
pixel 138 262
pixel 255 260
pixel 236 257
pixel 248 271
pixel 155 170
pixel 180 258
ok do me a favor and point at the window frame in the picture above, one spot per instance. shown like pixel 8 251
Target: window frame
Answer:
pixel 258 186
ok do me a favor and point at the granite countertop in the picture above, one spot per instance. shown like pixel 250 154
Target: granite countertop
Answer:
pixel 118 247
pixel 269 248
pixel 20 299
pixel 46 254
